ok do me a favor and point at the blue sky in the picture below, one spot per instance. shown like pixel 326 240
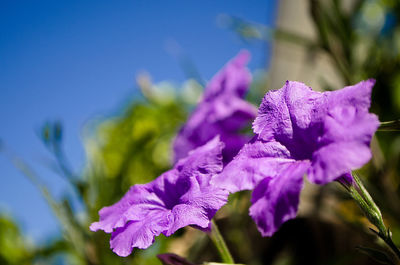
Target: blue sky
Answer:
pixel 74 60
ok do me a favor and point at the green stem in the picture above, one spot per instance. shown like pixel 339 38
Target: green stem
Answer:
pixel 372 212
pixel 219 242
pixel 372 208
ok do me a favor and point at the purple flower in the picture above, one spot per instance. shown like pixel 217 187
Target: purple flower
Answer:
pixel 222 111
pixel 181 196
pixel 298 131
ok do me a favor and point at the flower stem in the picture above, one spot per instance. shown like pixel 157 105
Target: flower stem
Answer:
pixel 360 194
pixel 219 242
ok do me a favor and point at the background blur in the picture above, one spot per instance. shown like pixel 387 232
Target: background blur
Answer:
pixel 92 93
pixel 78 61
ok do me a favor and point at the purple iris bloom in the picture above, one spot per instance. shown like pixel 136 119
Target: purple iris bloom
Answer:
pixel 298 131
pixel 222 111
pixel 180 197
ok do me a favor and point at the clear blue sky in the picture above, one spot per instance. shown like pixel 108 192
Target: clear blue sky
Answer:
pixel 73 60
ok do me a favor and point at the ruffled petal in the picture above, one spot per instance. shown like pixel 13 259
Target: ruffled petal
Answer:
pixel 185 214
pixel 181 196
pixel 291 116
pixel 346 123
pixel 273 116
pixel 311 125
pixel 128 208
pixel 286 110
pixel 230 113
pixel 275 199
pixel 205 161
pixel 336 159
pixel 256 160
pixel 347 131
pixel 139 234
pixel 234 78
pixel 358 96
pixel 207 196
pixel 222 111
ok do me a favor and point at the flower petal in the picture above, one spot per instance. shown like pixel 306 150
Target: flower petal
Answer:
pixel 275 199
pixel 311 124
pixel 118 214
pixel 256 160
pixel 291 116
pixel 336 159
pixel 185 214
pixel 234 78
pixel 346 123
pixel 222 111
pixel 139 234
pixel 284 110
pixel 347 131
pixel 358 95
pixel 181 196
pixel 205 160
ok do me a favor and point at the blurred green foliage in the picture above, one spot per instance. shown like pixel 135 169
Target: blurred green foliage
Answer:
pixel 13 248
pixel 133 148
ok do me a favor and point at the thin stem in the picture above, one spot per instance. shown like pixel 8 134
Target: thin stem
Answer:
pixel 390 126
pixel 371 205
pixel 219 242
pixel 360 194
